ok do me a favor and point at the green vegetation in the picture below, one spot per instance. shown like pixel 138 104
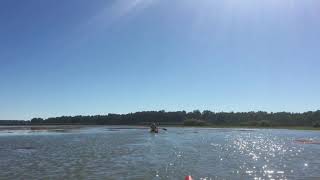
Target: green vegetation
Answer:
pixel 316 124
pixel 309 119
pixel 13 122
pixel 194 122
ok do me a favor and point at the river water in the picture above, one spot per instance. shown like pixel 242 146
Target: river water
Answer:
pixel 133 153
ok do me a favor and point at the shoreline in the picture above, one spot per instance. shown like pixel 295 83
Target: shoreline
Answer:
pixel 257 127
pixel 78 126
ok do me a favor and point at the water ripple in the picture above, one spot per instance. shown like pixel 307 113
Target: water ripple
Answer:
pixel 124 153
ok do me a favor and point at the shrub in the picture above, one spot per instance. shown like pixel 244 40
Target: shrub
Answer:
pixel 194 122
pixel 36 120
pixel 316 124
pixel 250 123
pixel 264 123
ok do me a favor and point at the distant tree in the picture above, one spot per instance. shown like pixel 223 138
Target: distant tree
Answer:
pixel 311 118
pixel 264 123
pixel 316 124
pixel 206 115
pixel 36 120
pixel 196 114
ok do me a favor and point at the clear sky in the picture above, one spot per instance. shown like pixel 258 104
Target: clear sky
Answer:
pixel 96 57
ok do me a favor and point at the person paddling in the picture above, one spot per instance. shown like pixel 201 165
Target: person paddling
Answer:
pixel 154 128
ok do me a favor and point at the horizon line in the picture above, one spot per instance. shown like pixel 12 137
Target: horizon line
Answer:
pixel 269 112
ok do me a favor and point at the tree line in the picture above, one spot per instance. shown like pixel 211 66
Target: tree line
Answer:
pixel 194 118
pixel 14 122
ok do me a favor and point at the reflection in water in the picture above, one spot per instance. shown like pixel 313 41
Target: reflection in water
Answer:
pixel 134 153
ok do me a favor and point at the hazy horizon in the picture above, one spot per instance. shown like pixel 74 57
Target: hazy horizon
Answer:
pixel 98 57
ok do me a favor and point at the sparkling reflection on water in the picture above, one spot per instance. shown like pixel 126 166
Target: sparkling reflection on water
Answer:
pixel 121 153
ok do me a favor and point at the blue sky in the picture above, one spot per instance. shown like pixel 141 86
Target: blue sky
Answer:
pixel 97 57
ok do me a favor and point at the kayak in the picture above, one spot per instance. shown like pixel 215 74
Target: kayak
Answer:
pixel 154 130
pixel 188 178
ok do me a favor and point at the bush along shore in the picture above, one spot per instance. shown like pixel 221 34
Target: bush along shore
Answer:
pixel 306 120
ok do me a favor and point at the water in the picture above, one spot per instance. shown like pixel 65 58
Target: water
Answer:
pixel 112 153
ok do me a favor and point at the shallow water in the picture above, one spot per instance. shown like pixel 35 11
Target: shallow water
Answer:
pixel 134 153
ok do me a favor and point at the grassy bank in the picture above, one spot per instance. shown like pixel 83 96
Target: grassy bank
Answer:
pixel 257 127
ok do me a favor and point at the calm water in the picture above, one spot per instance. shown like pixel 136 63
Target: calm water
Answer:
pixel 109 153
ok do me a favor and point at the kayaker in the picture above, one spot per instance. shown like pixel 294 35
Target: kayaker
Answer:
pixel 154 127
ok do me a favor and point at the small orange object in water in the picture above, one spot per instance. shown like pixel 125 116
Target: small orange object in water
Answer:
pixel 188 178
